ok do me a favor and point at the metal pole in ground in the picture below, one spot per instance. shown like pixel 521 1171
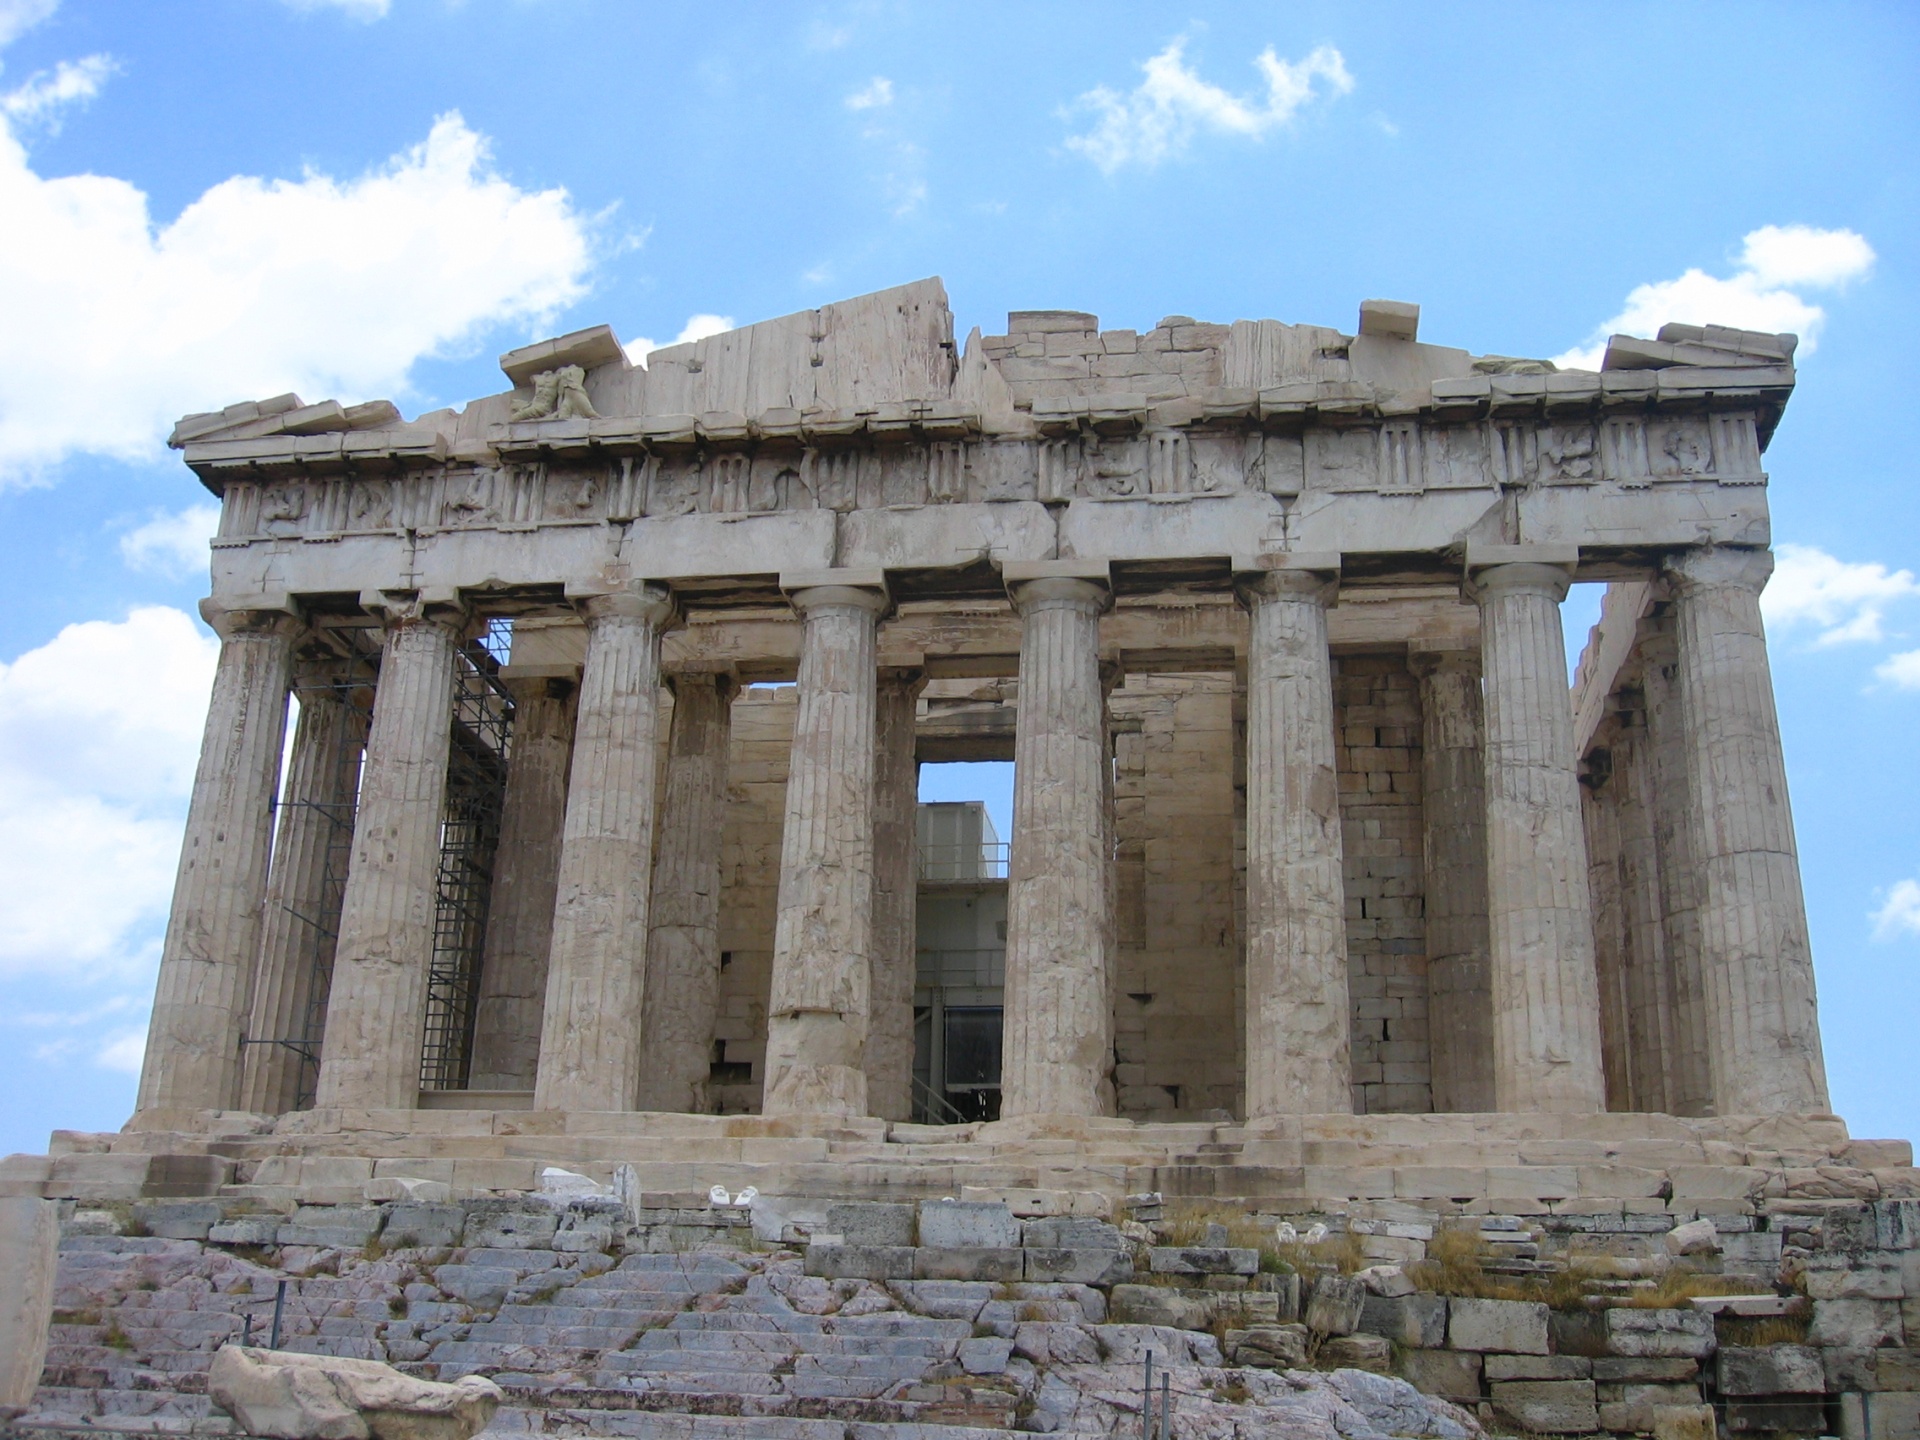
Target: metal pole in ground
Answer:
pixel 1166 1406
pixel 279 1308
pixel 1146 1403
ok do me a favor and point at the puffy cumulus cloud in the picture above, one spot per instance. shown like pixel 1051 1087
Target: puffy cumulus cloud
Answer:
pixel 1900 913
pixel 19 16
pixel 1843 601
pixel 698 327
pixel 171 545
pixel 99 736
pixel 875 94
pixel 1776 262
pixel 46 93
pixel 1902 670
pixel 1158 119
pixel 116 325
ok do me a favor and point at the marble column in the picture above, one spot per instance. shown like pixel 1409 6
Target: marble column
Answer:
pixel 526 879
pixel 1600 814
pixel 823 933
pixel 304 891
pixel 1298 1019
pixel 1763 1031
pixel 1546 1031
pixel 1454 818
pixel 896 895
pixel 212 942
pixel 596 969
pixel 376 1006
pixel 1647 974
pixel 682 1004
pixel 1057 1044
pixel 1676 842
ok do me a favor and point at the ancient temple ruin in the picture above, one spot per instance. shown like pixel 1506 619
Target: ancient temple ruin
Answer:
pixel 599 822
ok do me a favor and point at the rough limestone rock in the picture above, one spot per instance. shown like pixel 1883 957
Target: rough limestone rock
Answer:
pixel 321 1397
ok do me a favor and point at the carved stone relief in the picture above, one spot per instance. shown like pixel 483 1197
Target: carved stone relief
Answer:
pixel 558 395
pixel 1680 449
pixel 573 495
pixel 370 505
pixel 1567 455
pixel 1342 460
pixel 283 509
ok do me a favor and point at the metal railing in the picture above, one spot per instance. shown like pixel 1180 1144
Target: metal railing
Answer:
pixel 930 1107
pixel 961 969
pixel 982 860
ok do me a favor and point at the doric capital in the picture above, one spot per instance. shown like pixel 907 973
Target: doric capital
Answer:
pixel 722 682
pixel 534 683
pixel 857 589
pixel 1719 567
pixel 1310 576
pixel 279 619
pixel 404 609
pixel 1521 578
pixel 1426 662
pixel 640 600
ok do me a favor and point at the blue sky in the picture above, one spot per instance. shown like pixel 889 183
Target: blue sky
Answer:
pixel 208 202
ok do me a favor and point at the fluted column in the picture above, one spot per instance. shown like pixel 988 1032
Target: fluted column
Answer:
pixel 823 935
pixel 1057 1041
pixel 1648 974
pixel 682 1002
pixel 212 943
pixel 304 891
pixel 375 1010
pixel 1676 827
pixel 1600 812
pixel 596 969
pixel 1298 1019
pixel 896 893
pixel 1454 816
pixel 526 880
pixel 1546 1037
pixel 1762 1027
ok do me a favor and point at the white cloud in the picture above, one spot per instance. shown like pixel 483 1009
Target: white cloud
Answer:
pixel 47 92
pixel 1845 600
pixel 877 93
pixel 1158 119
pixel 354 9
pixel 116 326
pixel 698 327
pixel 123 1052
pixel 1776 261
pixel 19 16
pixel 99 735
pixel 172 545
pixel 1901 670
pixel 1900 915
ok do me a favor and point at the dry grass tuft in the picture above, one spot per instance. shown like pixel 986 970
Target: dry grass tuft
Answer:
pixel 1758 1330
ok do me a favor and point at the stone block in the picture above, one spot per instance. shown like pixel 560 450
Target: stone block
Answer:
pixel 1103 1266
pixel 1357 1352
pixel 1336 1305
pixel 345 1227
pixel 1896 1224
pixel 1451 1374
pixel 1516 1327
pixel 1659 1332
pixel 1055 1343
pixel 245 1230
pixel 1547 1407
pixel 1776 1414
pixel 1410 1321
pixel 1202 1260
pixel 498 1225
pixel 963 1225
pixel 864 1262
pixel 424 1226
pixel 1864 1281
pixel 1071 1232
pixel 1539 1367
pixel 984 1262
pixel 1634 1406
pixel 29 1254
pixel 871 1223
pixel 484 1287
pixel 1158 1305
pixel 1859 1324
pixel 178 1220
pixel 1770 1370
pixel 944 1299
pixel 1644 1370
pixel 1269 1347
pixel 986 1355
pixel 1892 1415
pixel 1684 1422
pixel 407 1188
pixel 292 1396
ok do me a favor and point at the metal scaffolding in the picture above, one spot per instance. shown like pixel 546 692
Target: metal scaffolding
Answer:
pixel 469 835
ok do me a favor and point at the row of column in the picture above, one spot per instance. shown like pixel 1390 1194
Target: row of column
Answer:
pixel 1514 986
